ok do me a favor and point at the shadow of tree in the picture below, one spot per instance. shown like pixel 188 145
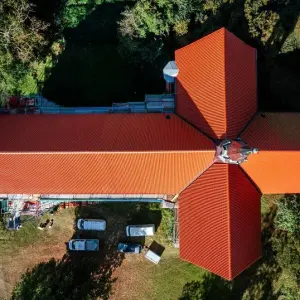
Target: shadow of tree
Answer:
pixel 68 279
pixel 91 71
pixel 211 287
pixel 277 82
pixel 78 275
pixel 256 282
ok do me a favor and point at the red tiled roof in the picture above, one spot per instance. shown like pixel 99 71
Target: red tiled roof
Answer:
pixel 274 132
pixel 275 172
pixel 216 85
pixel 104 133
pixel 275 169
pixel 102 154
pixel 219 225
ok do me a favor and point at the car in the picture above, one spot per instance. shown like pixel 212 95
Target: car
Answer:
pixel 140 230
pixel 91 224
pixel 129 248
pixel 83 245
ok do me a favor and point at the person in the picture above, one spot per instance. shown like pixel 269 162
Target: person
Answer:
pixel 51 223
pixel 41 226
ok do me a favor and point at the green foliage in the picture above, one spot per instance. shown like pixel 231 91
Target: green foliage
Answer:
pixel 286 243
pixel 156 18
pixel 12 73
pixel 289 294
pixel 144 27
pixel 264 204
pixel 261 20
pixel 292 42
pixel 22 39
pixel 75 11
pixel 21 34
pixel 165 230
pixel 288 215
pixel 73 15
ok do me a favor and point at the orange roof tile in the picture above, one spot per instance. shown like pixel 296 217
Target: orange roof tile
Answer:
pixel 106 132
pixel 102 154
pixel 101 173
pixel 216 85
pixel 219 221
pixel 275 169
pixel 275 172
pixel 274 131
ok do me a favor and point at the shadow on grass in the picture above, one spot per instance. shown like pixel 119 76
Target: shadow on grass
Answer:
pixel 88 275
pixel 68 278
pixel 119 215
pixel 211 287
pixel 78 275
pixel 256 281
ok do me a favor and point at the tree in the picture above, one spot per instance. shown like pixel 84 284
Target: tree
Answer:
pixel 144 27
pixel 261 19
pixel 288 215
pixel 286 243
pixel 22 39
pixel 20 32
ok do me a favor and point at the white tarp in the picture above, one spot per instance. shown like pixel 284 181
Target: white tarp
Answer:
pixel 152 256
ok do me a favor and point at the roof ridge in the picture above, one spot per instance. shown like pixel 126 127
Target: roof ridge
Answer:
pixel 225 89
pixel 102 152
pixel 229 222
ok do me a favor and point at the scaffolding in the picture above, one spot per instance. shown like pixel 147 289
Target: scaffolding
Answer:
pixel 176 228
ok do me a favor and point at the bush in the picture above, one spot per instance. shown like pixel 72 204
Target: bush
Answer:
pixel 288 215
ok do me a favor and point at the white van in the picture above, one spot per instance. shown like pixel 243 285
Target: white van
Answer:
pixel 140 230
pixel 91 224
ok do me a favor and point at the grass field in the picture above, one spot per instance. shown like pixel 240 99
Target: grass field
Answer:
pixel 28 247
pixel 23 249
pixel 130 276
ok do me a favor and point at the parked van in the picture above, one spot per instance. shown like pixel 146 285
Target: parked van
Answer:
pixel 83 245
pixel 91 224
pixel 140 230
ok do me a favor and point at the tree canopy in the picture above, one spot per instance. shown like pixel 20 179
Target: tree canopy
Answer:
pixel 22 39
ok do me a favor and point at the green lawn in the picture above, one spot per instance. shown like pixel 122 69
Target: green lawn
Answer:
pixel 172 274
pixel 132 276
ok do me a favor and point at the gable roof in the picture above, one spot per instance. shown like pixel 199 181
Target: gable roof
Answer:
pixel 216 85
pixel 275 169
pixel 219 215
pixel 99 133
pixel 101 154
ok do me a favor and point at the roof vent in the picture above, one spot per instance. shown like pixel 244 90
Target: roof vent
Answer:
pixel 233 151
pixel 170 71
